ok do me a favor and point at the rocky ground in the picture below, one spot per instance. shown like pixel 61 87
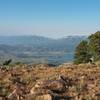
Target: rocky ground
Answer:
pixel 45 82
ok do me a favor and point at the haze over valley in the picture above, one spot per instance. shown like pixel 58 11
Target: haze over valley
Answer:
pixel 38 49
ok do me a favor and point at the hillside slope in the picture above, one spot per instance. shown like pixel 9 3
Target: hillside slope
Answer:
pixel 65 82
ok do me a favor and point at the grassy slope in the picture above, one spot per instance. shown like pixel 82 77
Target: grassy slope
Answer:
pixel 85 77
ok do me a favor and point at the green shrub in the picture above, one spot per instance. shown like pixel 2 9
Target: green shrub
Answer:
pixel 7 62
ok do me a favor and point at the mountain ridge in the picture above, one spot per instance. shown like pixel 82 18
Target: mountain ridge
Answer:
pixel 37 47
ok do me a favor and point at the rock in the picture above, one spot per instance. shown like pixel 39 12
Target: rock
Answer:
pixel 44 97
pixel 39 97
pixel 39 88
pixel 56 86
pixel 68 81
pixel 42 66
pixel 48 86
pixel 67 65
pixel 39 91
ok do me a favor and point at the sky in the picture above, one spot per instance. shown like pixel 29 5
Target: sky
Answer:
pixel 50 18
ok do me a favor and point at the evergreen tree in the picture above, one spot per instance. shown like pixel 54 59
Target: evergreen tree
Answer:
pixel 82 53
pixel 94 45
pixel 88 49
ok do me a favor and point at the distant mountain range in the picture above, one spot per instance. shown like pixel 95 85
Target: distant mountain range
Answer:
pixel 38 49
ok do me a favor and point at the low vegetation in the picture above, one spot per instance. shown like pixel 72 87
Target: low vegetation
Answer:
pixel 29 82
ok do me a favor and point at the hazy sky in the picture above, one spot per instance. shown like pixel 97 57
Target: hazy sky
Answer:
pixel 51 18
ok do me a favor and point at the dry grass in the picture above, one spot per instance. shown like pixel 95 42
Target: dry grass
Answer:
pixel 85 77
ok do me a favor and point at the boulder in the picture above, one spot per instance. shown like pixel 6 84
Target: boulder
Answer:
pixel 48 86
pixel 56 86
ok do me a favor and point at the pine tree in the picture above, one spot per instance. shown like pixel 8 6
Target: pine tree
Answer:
pixel 82 53
pixel 94 45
